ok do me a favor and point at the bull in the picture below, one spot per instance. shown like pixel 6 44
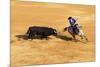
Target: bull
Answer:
pixel 41 32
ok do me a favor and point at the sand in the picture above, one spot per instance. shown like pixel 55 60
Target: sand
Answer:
pixel 54 50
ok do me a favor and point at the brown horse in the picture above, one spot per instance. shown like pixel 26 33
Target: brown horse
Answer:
pixel 76 31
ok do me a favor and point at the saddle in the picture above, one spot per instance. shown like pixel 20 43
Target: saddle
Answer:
pixel 75 29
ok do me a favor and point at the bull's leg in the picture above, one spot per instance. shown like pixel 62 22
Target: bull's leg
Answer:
pixel 41 37
pixel 46 38
pixel 34 36
pixel 30 36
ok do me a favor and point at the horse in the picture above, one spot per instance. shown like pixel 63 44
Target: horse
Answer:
pixel 76 30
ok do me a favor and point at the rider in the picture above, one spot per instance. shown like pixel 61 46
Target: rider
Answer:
pixel 72 22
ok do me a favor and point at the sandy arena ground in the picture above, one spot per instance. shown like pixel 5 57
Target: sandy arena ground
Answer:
pixel 54 50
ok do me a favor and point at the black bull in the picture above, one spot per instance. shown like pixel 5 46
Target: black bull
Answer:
pixel 41 32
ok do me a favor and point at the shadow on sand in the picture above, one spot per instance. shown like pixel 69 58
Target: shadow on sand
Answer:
pixel 64 38
pixel 25 37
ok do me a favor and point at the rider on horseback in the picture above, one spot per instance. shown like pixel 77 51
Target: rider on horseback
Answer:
pixel 72 22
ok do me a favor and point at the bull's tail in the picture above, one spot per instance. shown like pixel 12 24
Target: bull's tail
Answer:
pixel 28 31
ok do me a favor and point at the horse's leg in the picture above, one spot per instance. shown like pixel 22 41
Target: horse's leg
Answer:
pixel 81 36
pixel 74 37
pixel 85 37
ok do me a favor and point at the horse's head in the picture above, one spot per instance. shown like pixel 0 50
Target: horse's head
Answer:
pixel 78 26
pixel 65 29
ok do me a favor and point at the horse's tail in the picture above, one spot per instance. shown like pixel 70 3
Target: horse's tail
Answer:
pixel 65 29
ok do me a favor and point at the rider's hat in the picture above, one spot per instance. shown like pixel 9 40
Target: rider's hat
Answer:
pixel 69 17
